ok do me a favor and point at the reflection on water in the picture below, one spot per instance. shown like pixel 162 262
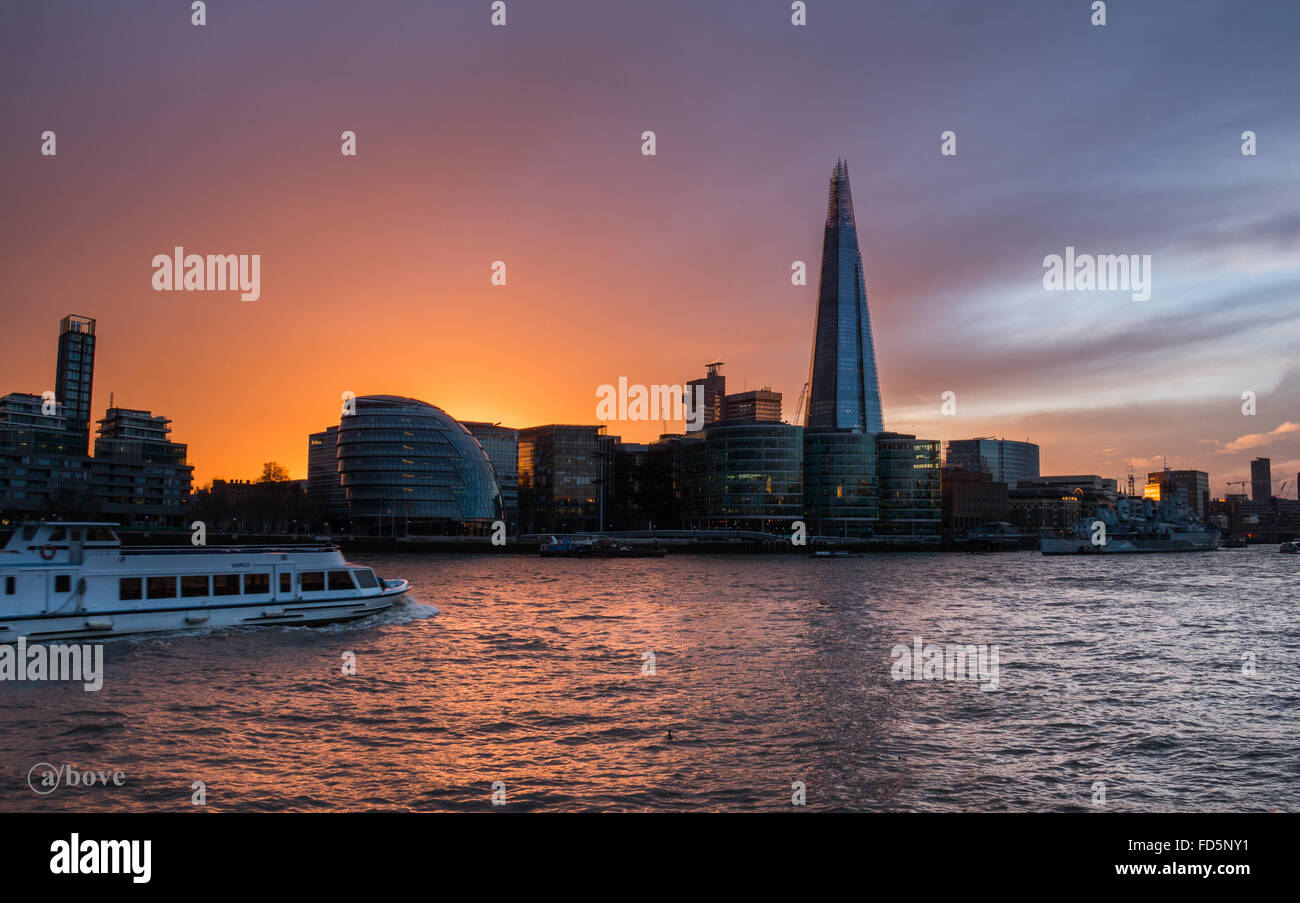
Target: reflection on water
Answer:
pixel 767 671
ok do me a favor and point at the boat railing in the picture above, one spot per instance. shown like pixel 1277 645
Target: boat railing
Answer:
pixel 224 550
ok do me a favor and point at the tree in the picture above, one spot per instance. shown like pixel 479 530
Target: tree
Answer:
pixel 274 473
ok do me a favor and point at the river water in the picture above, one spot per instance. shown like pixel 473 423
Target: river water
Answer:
pixel 1172 680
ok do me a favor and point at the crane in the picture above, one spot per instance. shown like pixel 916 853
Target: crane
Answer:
pixel 798 408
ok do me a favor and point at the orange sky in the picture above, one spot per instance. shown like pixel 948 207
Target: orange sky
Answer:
pixel 523 144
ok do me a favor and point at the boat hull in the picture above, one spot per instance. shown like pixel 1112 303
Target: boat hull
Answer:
pixel 102 625
pixel 1180 542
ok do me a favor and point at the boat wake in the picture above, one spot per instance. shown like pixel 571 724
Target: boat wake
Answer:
pixel 406 610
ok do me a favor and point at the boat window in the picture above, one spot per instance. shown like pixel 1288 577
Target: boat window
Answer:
pixel 366 578
pixel 129 588
pixel 312 581
pixel 225 585
pixel 286 582
pixel 101 534
pixel 75 535
pixel 341 580
pixel 28 532
pixel 9 586
pixel 257 583
pixel 162 587
pixel 62 583
pixel 58 533
pixel 194 585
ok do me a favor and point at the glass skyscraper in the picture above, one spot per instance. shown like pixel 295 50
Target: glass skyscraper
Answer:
pixel 844 391
pixel 400 459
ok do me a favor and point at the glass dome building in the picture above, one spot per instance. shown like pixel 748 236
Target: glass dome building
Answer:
pixel 409 464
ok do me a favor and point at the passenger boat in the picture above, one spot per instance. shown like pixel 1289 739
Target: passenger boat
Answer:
pixel 77 580
pixel 1290 548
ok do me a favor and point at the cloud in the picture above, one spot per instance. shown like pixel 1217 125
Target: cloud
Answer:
pixel 1255 440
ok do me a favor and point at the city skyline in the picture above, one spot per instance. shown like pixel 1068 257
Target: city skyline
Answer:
pixel 612 255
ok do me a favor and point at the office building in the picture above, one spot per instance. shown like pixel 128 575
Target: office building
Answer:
pixel 755 406
pixel 714 386
pixel 743 476
pixel 407 467
pixel 75 378
pixel 1005 460
pixel 1091 490
pixel 563 469
pixel 329 503
pixel 844 388
pixel 1192 487
pixel 908 477
pixel 139 477
pixel 502 446
pixel 970 499
pixel 1261 480
pixel 840 484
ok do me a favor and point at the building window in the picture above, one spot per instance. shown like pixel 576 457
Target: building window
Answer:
pixel 162 587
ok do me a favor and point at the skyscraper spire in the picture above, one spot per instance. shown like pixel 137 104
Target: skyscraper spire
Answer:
pixel 844 389
pixel 839 209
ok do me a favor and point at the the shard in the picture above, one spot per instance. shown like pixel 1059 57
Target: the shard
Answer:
pixel 844 391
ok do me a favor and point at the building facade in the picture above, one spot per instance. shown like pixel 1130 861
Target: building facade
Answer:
pixel 563 472
pixel 325 493
pixel 971 498
pixel 755 406
pixel 1005 460
pixel 1261 479
pixel 840 483
pixel 407 467
pixel 75 377
pixel 1091 490
pixel 1192 487
pixel 139 477
pixel 743 476
pixel 712 387
pixel 502 446
pixel 910 485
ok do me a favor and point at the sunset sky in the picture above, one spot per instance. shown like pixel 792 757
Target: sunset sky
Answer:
pixel 523 144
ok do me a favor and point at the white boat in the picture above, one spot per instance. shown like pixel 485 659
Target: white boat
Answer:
pixel 76 580
pixel 1290 548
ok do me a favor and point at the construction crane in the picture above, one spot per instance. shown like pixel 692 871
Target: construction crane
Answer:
pixel 798 408
pixel 1238 483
